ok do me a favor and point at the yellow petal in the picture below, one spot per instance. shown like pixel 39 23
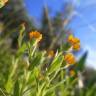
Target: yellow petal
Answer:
pixel 76 47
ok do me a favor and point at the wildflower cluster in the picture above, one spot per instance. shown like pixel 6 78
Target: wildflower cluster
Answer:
pixel 40 72
pixel 68 56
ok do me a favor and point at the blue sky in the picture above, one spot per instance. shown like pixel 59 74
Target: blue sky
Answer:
pixel 83 25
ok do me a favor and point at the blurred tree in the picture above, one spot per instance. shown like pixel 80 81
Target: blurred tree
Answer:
pixel 90 77
pixel 55 29
pixel 11 16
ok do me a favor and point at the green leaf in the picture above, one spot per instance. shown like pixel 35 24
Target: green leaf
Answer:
pixel 36 71
pixel 21 50
pixel 55 65
pixel 16 89
pixel 36 60
pixel 9 85
pixel 92 91
pixel 81 62
pixel 21 35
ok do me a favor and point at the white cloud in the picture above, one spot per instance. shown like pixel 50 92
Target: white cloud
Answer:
pixel 91 59
pixel 88 2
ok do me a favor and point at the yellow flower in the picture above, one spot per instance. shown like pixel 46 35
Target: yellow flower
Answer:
pixel 51 53
pixel 69 58
pixel 76 46
pixel 5 1
pixel 73 40
pixel 70 38
pixel 36 35
pixel 72 73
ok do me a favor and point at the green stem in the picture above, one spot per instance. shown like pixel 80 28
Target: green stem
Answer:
pixel 2 92
pixel 52 88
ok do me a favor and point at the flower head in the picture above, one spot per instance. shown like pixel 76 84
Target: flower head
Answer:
pixel 51 53
pixel 36 35
pixel 5 1
pixel 76 46
pixel 72 73
pixel 69 58
pixel 73 40
pixel 70 38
